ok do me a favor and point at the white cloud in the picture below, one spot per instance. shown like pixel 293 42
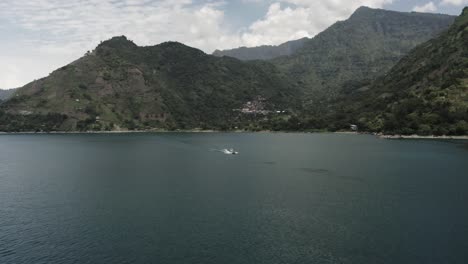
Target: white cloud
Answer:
pixel 429 7
pixel 454 2
pixel 11 74
pixel 85 22
pixel 279 25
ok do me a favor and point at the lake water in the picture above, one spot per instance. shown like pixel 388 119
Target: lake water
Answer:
pixel 287 198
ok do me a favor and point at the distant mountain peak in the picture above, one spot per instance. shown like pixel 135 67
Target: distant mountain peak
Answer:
pixel 173 44
pixel 118 42
pixel 463 18
pixel 365 10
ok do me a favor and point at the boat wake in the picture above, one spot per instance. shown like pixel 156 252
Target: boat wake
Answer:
pixel 227 151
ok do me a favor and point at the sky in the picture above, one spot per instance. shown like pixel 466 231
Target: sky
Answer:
pixel 39 36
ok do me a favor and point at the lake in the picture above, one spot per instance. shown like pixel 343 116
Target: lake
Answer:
pixel 286 198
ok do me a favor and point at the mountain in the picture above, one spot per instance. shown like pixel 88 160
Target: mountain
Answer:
pixel 6 94
pixel 350 54
pixel 263 52
pixel 342 76
pixel 425 93
pixel 123 86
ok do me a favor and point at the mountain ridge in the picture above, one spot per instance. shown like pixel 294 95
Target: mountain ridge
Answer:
pixel 120 85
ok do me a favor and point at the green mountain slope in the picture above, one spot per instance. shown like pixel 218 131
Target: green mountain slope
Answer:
pixel 263 52
pixel 351 53
pixel 425 93
pixel 122 86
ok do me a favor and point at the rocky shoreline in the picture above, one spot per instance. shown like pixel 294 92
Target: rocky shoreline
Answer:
pixel 422 137
pixel 383 136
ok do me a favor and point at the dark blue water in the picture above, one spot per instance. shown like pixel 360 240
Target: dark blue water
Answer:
pixel 287 198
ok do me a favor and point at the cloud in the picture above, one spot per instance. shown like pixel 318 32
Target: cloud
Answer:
pixel 10 75
pixel 279 25
pixel 83 23
pixel 429 7
pixel 454 2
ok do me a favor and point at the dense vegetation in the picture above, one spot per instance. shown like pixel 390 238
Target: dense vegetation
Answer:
pixel 30 123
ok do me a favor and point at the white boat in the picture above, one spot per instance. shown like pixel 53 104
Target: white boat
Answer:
pixel 230 151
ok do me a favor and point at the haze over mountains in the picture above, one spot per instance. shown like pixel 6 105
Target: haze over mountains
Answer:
pixel 318 85
pixel 5 94
pixel 263 52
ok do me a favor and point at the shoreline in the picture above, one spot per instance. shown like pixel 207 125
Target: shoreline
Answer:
pixel 382 136
pixel 121 132
pixel 423 137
